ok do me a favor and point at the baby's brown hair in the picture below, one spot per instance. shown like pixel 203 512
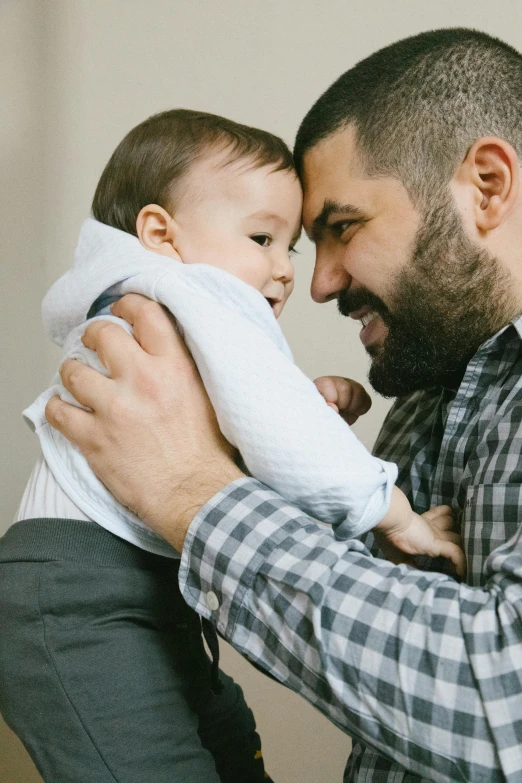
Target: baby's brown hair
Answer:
pixel 150 163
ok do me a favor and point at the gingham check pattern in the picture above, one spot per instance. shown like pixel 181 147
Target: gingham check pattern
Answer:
pixel 423 672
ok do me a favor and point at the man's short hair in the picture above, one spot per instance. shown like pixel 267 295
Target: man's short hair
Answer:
pixel 150 164
pixel 418 106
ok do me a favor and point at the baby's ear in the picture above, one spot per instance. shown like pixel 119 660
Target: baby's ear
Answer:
pixel 157 231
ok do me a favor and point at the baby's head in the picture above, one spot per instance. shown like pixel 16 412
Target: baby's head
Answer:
pixel 203 189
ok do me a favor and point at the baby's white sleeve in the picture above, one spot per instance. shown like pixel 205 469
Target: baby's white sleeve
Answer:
pixel 287 435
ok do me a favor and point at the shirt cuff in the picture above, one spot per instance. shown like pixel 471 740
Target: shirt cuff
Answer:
pixel 227 543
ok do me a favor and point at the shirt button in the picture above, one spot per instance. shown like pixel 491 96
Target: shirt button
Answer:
pixel 212 601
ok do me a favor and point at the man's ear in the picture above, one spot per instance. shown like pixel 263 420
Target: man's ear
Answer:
pixel 157 231
pixel 491 173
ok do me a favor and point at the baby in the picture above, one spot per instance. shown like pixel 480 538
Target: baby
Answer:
pixel 203 215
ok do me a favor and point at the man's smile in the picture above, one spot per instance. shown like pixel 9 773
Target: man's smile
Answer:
pixel 373 327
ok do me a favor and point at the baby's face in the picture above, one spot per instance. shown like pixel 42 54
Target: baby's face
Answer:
pixel 243 220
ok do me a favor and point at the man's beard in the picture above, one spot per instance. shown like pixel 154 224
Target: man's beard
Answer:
pixel 446 302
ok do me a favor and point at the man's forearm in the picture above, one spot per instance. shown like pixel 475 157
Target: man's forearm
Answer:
pixel 190 498
pixel 411 663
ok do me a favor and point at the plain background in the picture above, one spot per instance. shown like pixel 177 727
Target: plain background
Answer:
pixel 76 75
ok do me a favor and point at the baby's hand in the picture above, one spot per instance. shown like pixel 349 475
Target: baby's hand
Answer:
pixel 346 397
pixel 429 534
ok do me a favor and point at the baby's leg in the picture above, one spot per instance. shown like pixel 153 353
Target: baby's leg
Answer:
pixel 103 673
pixel 227 728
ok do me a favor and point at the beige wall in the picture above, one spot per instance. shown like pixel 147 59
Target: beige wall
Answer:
pixel 76 75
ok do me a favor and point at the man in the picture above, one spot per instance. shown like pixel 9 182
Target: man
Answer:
pixel 411 170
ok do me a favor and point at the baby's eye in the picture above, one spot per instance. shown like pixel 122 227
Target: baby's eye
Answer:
pixel 292 251
pixel 262 239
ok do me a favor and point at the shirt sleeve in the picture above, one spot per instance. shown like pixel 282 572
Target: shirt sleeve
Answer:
pixel 423 669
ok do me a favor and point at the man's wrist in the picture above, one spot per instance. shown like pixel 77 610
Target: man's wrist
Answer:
pixel 189 500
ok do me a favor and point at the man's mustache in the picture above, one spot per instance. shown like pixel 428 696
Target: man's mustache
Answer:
pixel 351 301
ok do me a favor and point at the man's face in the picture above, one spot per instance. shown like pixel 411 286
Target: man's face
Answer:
pixel 426 295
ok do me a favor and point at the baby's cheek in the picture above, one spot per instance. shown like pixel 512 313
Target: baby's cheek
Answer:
pixel 289 287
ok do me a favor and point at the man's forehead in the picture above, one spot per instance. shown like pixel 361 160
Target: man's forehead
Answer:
pixel 331 171
pixel 339 148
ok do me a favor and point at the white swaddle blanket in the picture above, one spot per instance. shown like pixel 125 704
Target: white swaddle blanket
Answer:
pixel 288 437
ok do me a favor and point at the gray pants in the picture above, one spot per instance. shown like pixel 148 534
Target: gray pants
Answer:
pixel 103 672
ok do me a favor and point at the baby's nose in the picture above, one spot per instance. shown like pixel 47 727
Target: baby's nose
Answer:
pixel 284 269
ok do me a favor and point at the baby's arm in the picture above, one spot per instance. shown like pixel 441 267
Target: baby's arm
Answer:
pixel 402 533
pixel 348 398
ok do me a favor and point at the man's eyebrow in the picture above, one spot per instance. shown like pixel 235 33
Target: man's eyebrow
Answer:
pixel 332 208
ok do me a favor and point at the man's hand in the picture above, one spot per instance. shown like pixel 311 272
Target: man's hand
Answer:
pixel 152 436
pixel 346 397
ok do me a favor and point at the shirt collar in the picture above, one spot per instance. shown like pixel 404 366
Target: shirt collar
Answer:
pixel 490 345
pixel 517 323
pixel 502 336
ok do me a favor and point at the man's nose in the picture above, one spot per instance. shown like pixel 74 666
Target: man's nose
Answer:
pixel 329 278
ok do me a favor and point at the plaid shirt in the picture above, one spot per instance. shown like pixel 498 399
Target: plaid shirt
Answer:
pixel 423 672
